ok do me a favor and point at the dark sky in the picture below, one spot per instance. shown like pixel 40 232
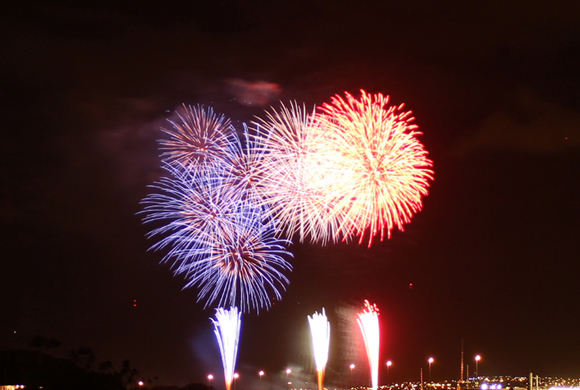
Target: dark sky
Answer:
pixel 492 258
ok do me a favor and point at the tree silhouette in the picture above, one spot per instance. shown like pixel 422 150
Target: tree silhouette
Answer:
pixel 84 357
pixel 106 367
pixel 128 374
pixel 41 342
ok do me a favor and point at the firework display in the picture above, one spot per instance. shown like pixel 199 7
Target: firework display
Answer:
pixel 368 321
pixel 227 332
pixel 230 205
pixel 320 332
pixel 218 240
pixel 213 229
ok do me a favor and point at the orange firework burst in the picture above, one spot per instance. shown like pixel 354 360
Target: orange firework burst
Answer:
pixel 379 167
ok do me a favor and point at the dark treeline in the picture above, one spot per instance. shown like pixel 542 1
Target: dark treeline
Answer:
pixel 35 370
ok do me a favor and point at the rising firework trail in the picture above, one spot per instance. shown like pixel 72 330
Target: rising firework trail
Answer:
pixel 227 331
pixel 320 332
pixel 368 321
pixel 379 168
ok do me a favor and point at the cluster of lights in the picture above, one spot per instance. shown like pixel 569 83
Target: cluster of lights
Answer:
pixel 492 383
pixel 563 388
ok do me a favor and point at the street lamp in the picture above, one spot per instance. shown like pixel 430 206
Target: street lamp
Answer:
pixel 431 360
pixel 236 376
pixel 389 363
pixel 261 373
pixel 209 378
pixel 351 367
pixel 477 359
pixel 288 371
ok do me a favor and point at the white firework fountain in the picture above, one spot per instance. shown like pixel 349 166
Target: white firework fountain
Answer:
pixel 320 331
pixel 227 331
pixel 368 321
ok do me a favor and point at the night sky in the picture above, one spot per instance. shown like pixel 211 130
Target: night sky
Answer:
pixel 491 259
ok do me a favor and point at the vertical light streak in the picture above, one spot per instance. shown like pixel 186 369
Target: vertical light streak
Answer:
pixel 368 321
pixel 227 331
pixel 320 332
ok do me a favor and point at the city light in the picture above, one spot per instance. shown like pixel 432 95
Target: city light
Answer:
pixel 261 374
pixel 288 372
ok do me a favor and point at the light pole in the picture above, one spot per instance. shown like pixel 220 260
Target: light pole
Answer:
pixel 431 360
pixel 477 359
pixel 236 376
pixel 261 373
pixel 389 363
pixel 209 378
pixel 288 371
pixel 351 367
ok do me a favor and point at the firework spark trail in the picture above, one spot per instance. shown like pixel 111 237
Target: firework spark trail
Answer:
pixel 368 321
pixel 295 181
pixel 244 166
pixel 245 267
pixel 227 332
pixel 320 332
pixel 199 140
pixel 379 166
pixel 221 241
